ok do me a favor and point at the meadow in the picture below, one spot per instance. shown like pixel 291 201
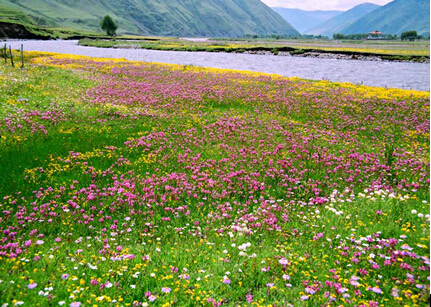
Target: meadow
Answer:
pixel 143 184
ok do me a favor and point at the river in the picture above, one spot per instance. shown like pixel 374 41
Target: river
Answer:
pixel 383 74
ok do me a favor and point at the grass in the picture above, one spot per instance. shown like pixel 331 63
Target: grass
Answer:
pixel 134 184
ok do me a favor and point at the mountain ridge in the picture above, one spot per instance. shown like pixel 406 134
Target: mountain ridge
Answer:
pixel 229 18
pixel 394 18
pixel 304 20
pixel 341 21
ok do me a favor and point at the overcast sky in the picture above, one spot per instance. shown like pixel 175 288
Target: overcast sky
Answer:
pixel 310 5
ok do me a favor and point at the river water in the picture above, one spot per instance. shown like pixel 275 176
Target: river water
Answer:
pixel 383 74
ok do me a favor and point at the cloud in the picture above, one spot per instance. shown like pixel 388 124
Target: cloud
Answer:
pixel 342 5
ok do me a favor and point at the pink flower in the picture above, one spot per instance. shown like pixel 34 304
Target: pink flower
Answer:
pixel 283 261
pixel 32 286
pixel 249 298
pixel 226 280
pixel 152 298
pixel 64 276
pixel 166 290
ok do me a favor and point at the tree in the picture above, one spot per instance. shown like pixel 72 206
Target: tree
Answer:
pixel 410 35
pixel 108 25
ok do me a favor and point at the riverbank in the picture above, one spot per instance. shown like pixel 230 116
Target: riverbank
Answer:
pixel 382 74
pixel 340 53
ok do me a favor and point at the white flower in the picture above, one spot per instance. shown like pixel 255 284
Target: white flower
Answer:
pixel 241 253
pixel 420 215
pixel 414 212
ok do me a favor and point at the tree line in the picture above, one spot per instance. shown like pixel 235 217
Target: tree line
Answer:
pixel 408 35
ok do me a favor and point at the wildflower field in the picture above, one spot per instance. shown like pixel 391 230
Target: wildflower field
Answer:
pixel 136 184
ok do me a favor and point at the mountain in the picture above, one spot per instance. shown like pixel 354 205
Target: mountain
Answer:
pixel 206 18
pixel 340 22
pixel 394 18
pixel 304 20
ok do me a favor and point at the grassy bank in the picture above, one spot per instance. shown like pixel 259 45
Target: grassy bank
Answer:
pixel 417 52
pixel 133 184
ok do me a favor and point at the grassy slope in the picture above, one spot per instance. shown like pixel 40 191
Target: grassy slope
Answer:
pixel 173 17
pixel 395 17
pixel 339 22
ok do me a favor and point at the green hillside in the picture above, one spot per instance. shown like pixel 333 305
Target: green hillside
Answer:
pixel 304 20
pixel 339 22
pixel 394 18
pixel 158 17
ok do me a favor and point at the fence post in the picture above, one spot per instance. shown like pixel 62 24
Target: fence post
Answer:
pixel 5 53
pixel 11 56
pixel 22 56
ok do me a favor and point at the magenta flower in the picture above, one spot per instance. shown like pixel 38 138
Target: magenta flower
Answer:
pixel 249 298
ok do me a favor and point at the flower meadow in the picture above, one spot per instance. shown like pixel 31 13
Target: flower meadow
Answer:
pixel 142 184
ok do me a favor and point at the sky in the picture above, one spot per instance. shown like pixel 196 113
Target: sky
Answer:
pixel 311 5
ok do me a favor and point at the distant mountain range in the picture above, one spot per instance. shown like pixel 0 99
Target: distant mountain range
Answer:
pixel 206 18
pixel 341 21
pixel 305 20
pixel 393 18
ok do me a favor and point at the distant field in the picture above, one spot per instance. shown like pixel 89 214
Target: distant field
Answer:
pixel 396 50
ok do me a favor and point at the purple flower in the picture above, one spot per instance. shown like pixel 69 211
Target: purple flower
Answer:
pixel 166 290
pixel 226 280
pixel 64 276
pixel 75 304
